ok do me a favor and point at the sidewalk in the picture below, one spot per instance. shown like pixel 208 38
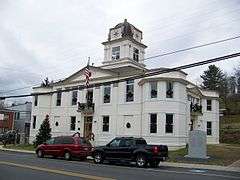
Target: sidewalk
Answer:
pixel 235 167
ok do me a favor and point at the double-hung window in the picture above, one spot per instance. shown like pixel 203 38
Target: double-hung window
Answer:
pixel 153 89
pixel 106 94
pixel 169 89
pixel 105 127
pixel 59 97
pixel 74 98
pixel 73 123
pixel 209 104
pixel 135 54
pixel 169 123
pixel 115 53
pixel 129 90
pixel 153 123
pixel 209 128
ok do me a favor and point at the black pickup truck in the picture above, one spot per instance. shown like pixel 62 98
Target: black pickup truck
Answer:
pixel 132 150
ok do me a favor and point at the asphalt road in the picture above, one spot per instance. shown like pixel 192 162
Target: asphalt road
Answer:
pixel 21 166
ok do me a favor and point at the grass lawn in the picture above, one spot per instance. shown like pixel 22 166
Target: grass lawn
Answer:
pixel 221 154
pixel 230 129
pixel 28 147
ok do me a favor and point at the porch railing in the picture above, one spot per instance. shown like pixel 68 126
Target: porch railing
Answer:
pixel 195 109
pixel 85 108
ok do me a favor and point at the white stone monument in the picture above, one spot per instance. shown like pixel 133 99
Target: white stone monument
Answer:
pixel 197 145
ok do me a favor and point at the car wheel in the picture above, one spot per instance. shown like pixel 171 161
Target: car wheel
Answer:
pixel 141 160
pixel 98 158
pixel 67 156
pixel 40 153
pixel 154 164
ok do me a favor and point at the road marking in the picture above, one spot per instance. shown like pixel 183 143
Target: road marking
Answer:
pixel 192 173
pixel 62 172
pixel 188 171
pixel 198 170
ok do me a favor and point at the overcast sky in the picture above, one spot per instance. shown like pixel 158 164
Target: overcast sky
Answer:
pixel 53 38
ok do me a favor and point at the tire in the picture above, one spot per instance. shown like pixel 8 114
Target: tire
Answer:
pixel 154 163
pixel 67 156
pixel 98 158
pixel 40 153
pixel 141 161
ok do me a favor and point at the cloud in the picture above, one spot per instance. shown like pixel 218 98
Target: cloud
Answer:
pixel 54 38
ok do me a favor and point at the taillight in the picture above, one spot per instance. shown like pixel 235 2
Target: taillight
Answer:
pixel 155 149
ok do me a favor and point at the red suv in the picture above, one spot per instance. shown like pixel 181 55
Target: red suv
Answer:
pixel 65 146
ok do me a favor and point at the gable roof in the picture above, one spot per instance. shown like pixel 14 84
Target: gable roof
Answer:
pixel 92 69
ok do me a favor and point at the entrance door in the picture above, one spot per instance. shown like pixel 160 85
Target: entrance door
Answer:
pixel 87 125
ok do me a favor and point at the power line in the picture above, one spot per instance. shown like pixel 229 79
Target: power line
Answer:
pixel 159 55
pixel 148 74
pixel 193 47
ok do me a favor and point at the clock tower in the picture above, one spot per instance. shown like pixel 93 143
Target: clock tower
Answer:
pixel 124 49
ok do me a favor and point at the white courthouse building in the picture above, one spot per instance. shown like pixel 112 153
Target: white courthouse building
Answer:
pixel 162 108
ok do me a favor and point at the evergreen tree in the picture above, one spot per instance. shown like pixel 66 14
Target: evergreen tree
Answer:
pixel 44 132
pixel 232 84
pixel 215 79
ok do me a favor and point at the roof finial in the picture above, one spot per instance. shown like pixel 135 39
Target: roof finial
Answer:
pixel 125 20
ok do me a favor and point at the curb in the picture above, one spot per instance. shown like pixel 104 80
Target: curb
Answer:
pixel 16 150
pixel 200 166
pixel 162 164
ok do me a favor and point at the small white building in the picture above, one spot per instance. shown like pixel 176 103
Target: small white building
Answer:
pixel 161 108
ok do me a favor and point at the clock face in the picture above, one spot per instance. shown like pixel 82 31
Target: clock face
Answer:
pixel 115 33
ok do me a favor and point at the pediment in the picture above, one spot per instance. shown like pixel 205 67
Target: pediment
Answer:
pixel 96 73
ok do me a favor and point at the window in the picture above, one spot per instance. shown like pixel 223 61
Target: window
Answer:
pixel 73 123
pixel 58 140
pixel 115 53
pixel 67 140
pixel 50 141
pixel 35 100
pixel 153 89
pixel 130 91
pixel 74 98
pixel 169 123
pixel 209 128
pixel 59 96
pixel 209 105
pixel 105 127
pixel 17 115
pixel 135 54
pixel 141 142
pixel 34 122
pixel 83 140
pixel 153 123
pixel 169 90
pixel 115 143
pixel 89 96
pixel 128 143
pixel 107 94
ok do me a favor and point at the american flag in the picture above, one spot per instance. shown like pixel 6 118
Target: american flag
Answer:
pixel 88 74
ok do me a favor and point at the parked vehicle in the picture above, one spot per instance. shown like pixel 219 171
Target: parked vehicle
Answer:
pixel 132 150
pixel 65 146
